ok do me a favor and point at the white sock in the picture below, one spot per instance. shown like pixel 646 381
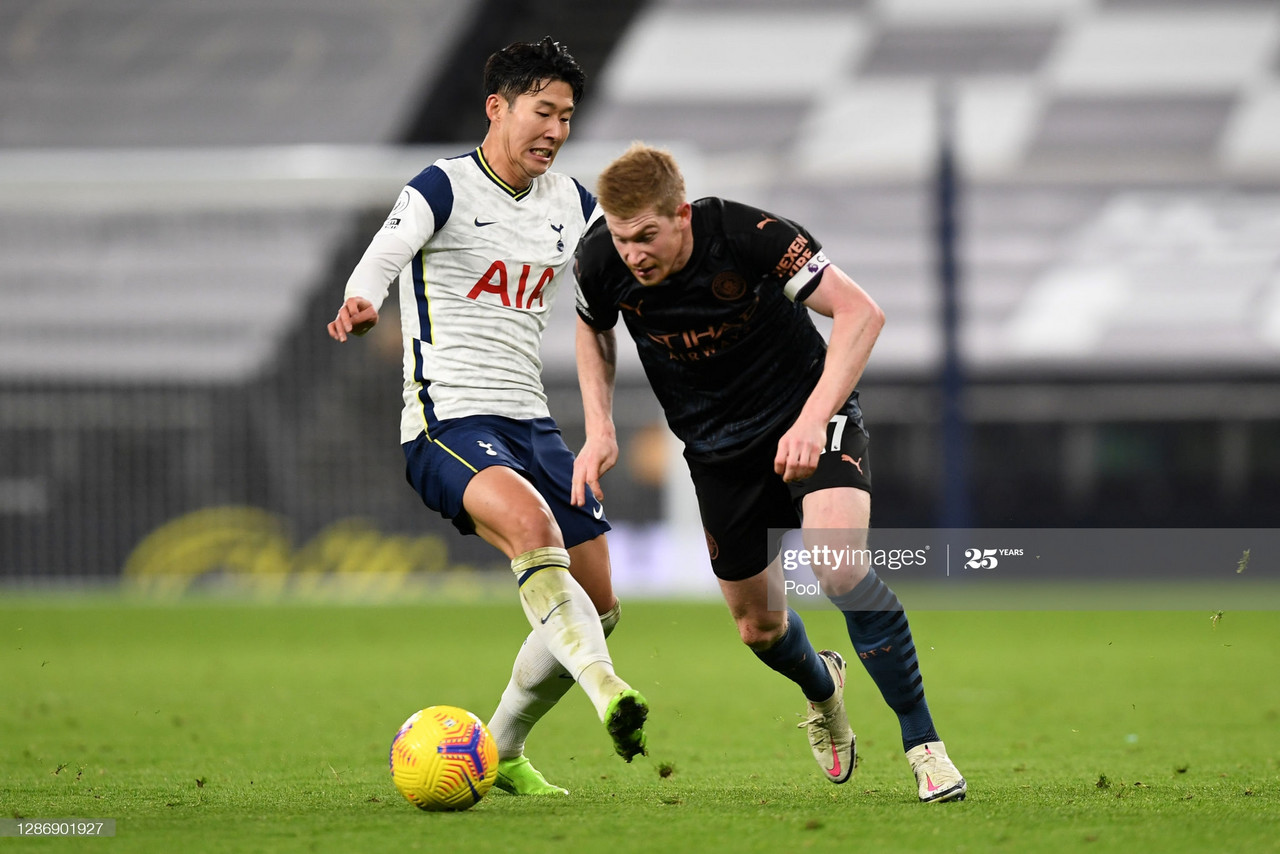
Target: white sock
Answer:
pixel 537 683
pixel 562 617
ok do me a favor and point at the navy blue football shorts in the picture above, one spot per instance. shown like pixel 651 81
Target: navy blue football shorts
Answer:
pixel 741 497
pixel 440 466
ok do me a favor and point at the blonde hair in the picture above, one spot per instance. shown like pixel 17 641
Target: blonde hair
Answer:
pixel 641 178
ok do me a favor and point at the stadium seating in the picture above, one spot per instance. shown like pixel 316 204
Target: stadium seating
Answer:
pixel 1120 157
pixel 176 188
pixel 145 73
pixel 183 187
pixel 155 279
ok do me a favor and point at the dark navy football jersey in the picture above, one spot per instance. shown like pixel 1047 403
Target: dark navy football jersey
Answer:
pixel 726 343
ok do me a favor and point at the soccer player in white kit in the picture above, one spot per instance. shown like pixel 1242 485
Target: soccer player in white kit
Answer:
pixel 479 244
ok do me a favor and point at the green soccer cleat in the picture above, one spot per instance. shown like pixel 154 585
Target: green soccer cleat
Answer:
pixel 519 777
pixel 624 718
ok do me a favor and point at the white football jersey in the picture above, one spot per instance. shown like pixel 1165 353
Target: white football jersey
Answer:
pixel 479 267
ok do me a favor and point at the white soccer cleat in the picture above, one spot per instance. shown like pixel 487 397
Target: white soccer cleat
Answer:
pixel 830 735
pixel 938 777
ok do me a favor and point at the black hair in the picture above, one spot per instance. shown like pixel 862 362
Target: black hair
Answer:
pixel 526 67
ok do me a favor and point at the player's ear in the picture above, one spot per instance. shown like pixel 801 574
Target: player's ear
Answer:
pixel 495 106
pixel 684 213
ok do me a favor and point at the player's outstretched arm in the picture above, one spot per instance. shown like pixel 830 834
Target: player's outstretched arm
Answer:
pixel 597 353
pixel 386 255
pixel 856 323
pixel 356 317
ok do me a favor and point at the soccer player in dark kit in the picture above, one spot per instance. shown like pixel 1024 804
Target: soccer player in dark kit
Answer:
pixel 716 295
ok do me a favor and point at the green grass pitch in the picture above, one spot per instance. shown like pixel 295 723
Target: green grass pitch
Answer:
pixel 212 726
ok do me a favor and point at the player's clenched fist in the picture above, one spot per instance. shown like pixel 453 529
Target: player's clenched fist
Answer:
pixel 356 317
pixel 798 451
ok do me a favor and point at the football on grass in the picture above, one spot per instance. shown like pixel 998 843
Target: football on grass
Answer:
pixel 443 758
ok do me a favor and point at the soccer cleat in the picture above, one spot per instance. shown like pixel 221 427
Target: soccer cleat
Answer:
pixel 938 777
pixel 624 718
pixel 830 735
pixel 519 777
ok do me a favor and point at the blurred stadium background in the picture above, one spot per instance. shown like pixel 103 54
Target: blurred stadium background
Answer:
pixel 185 186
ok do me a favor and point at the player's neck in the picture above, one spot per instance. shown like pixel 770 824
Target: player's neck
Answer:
pixel 506 171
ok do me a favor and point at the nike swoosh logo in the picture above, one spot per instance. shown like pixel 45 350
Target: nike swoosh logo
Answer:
pixel 928 782
pixel 835 760
pixel 480 224
pixel 598 511
pixel 552 611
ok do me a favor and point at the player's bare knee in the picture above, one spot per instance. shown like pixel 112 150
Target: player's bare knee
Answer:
pixel 840 583
pixel 760 634
pixel 532 528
